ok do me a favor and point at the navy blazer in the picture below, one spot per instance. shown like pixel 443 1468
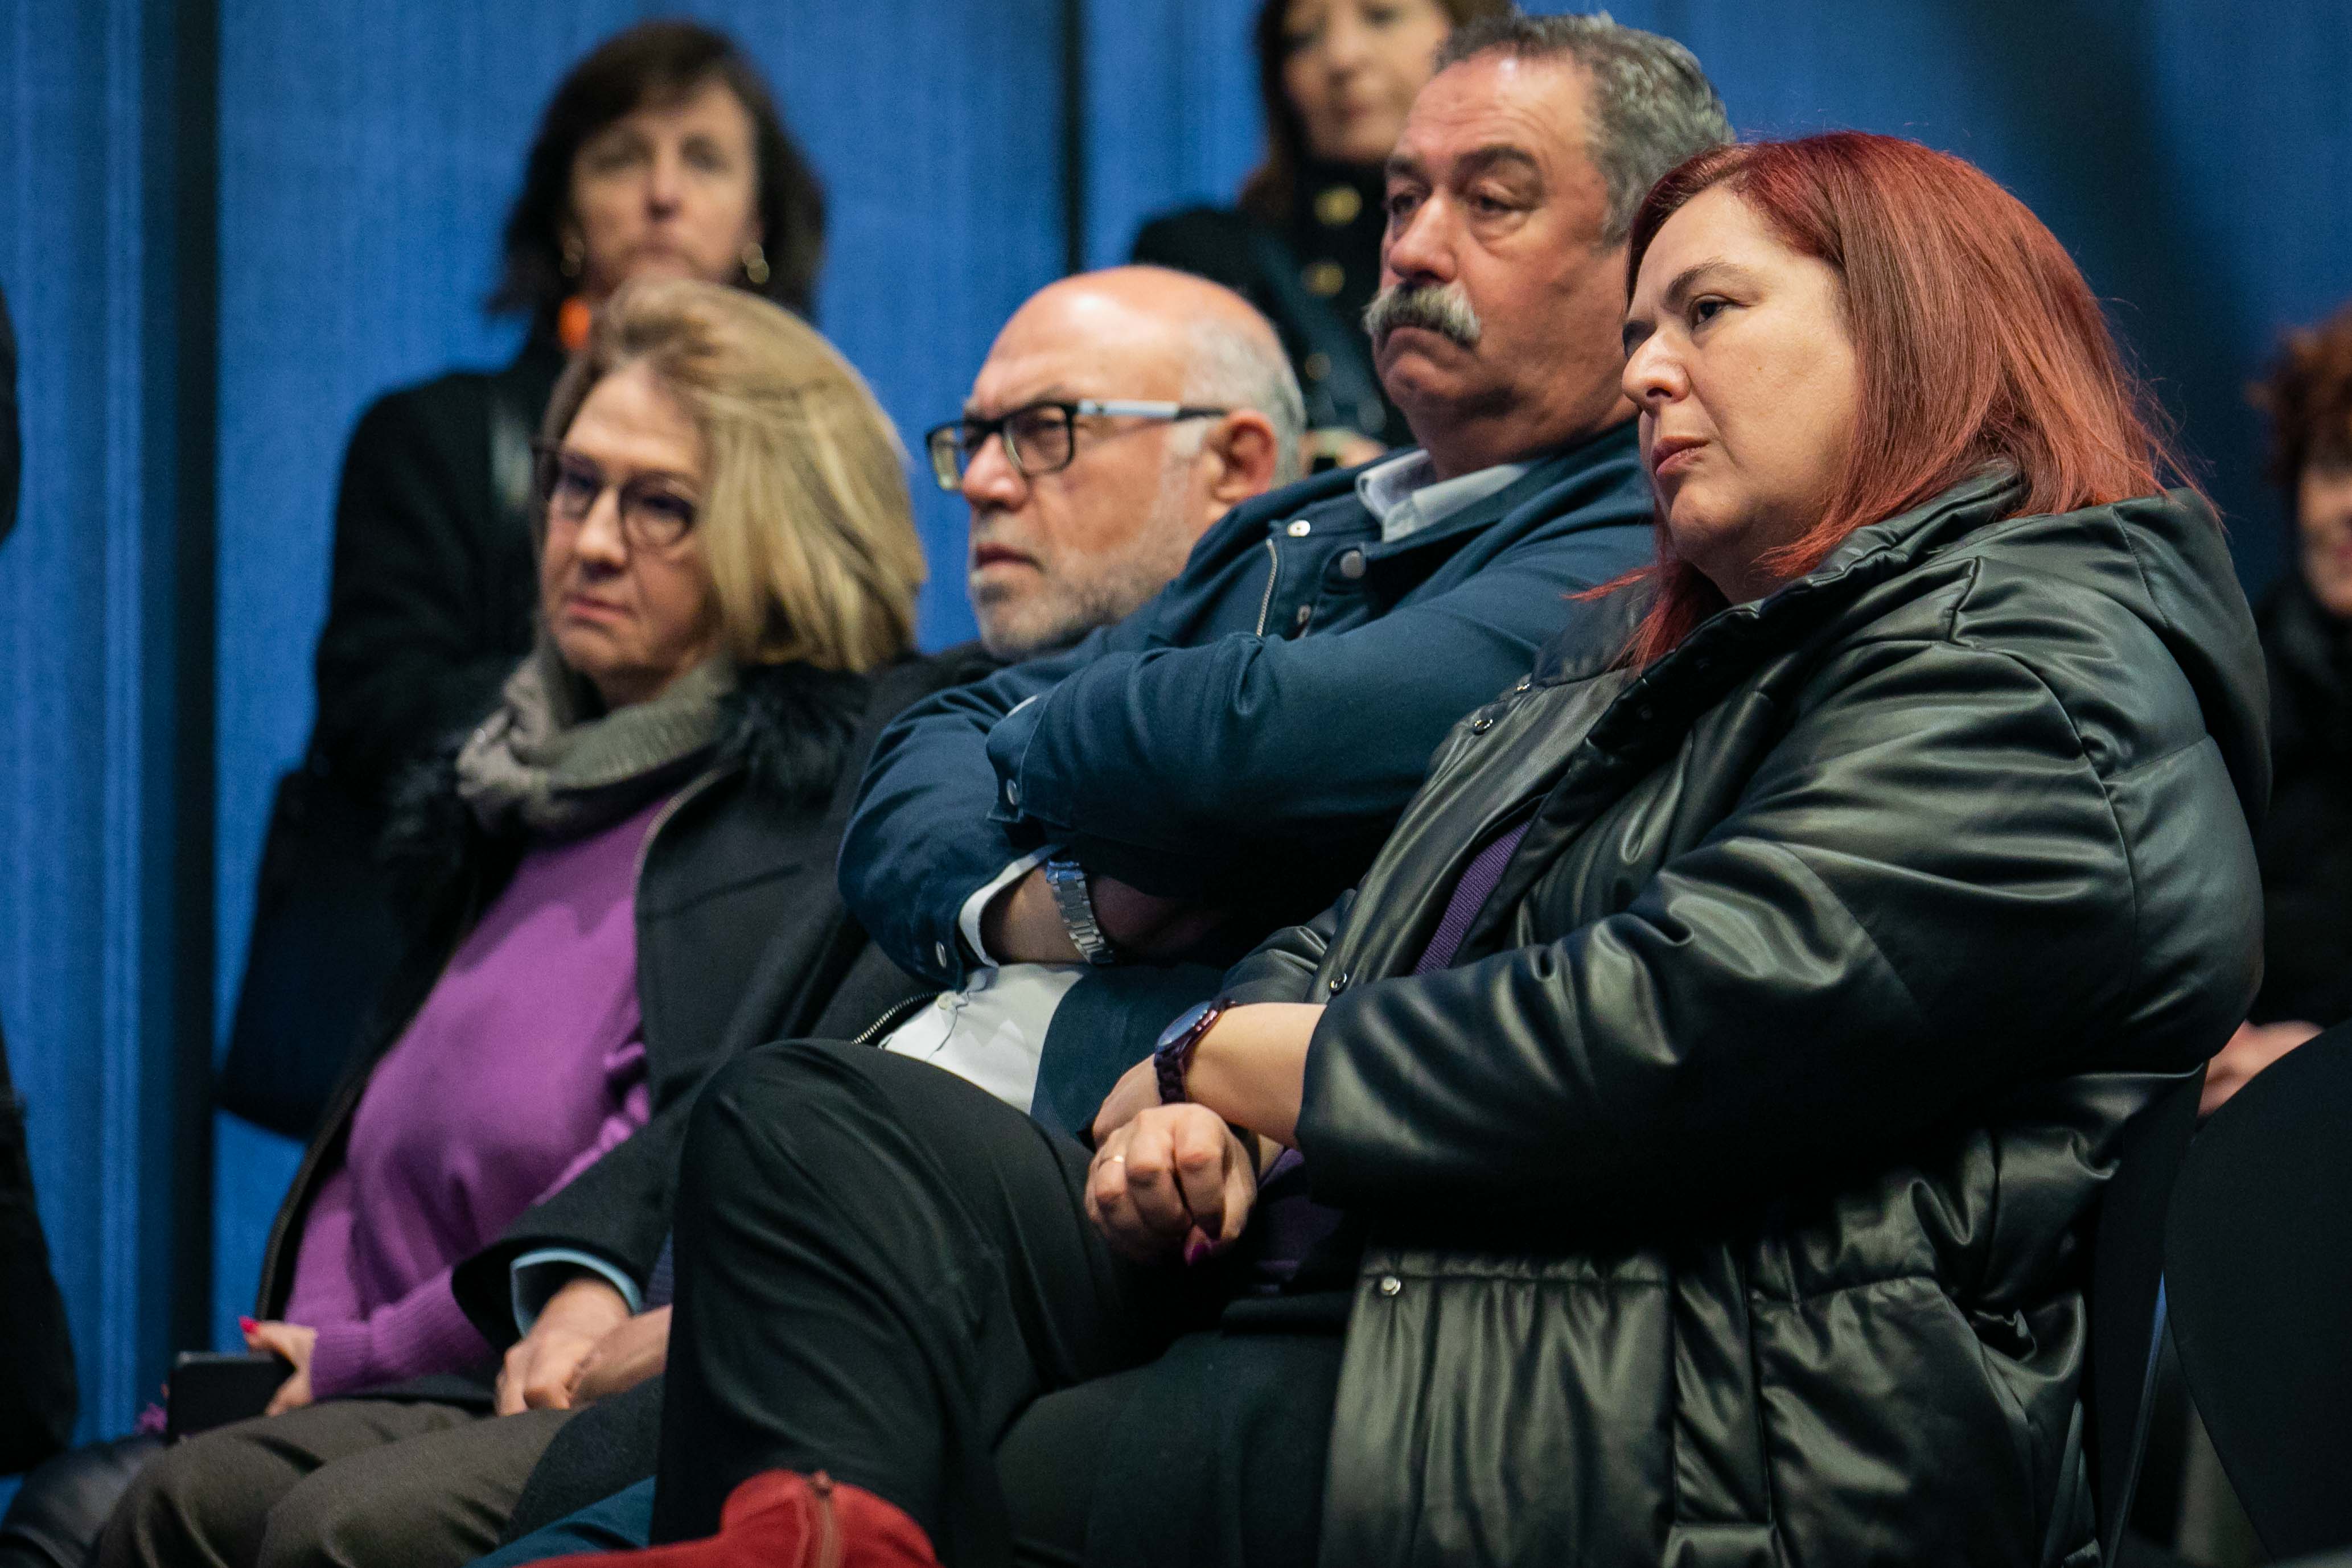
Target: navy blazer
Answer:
pixel 1249 735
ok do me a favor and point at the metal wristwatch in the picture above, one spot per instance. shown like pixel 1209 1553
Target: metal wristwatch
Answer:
pixel 1067 881
pixel 1171 1059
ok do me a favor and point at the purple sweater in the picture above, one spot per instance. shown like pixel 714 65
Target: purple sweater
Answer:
pixel 524 1065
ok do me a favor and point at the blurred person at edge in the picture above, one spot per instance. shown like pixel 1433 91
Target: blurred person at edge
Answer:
pixel 1302 242
pixel 1707 1092
pixel 2305 842
pixel 38 1395
pixel 620 876
pixel 661 154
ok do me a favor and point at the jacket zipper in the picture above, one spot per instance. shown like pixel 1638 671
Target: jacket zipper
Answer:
pixel 349 1101
pixel 897 1013
pixel 1273 570
pixel 829 1545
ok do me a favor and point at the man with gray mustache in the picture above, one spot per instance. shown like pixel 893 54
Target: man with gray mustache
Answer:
pixel 1228 756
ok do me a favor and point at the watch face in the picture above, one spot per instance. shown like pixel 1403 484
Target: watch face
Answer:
pixel 1184 1020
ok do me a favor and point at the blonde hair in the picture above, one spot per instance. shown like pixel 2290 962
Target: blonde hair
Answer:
pixel 804 518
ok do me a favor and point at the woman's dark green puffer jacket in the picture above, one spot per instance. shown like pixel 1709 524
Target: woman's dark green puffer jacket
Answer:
pixel 1800 1030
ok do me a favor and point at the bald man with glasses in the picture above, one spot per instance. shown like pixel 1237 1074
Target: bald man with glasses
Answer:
pixel 1118 415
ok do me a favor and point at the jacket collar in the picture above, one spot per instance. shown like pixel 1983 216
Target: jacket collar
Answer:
pixel 1404 495
pixel 1328 500
pixel 788 728
pixel 1544 473
pixel 1729 644
pixel 1632 730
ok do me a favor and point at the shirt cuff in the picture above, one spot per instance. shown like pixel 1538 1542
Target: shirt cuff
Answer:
pixel 538 1275
pixel 968 921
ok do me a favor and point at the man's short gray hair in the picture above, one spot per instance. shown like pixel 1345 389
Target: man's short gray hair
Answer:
pixel 1232 368
pixel 1652 107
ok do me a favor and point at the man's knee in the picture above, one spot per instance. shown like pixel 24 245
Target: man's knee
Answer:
pixel 756 1108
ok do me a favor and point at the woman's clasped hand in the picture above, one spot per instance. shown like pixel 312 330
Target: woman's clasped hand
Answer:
pixel 542 1371
pixel 1173 1181
pixel 1180 1180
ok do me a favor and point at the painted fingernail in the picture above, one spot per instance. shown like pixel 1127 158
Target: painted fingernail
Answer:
pixel 1196 1246
pixel 248 1325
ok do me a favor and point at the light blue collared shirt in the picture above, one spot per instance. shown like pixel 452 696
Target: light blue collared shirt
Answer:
pixel 1404 494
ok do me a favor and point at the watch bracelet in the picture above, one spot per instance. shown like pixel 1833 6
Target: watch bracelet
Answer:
pixel 1066 880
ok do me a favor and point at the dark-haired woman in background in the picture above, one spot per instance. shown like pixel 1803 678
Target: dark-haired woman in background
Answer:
pixel 661 154
pixel 2306 625
pixel 1710 1082
pixel 1303 243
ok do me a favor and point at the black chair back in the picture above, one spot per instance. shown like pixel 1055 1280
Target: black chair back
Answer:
pixel 2257 1274
pixel 2126 1266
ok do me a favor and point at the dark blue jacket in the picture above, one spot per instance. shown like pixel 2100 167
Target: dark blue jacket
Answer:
pixel 1249 734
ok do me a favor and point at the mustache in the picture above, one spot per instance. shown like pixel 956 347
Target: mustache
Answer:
pixel 1443 308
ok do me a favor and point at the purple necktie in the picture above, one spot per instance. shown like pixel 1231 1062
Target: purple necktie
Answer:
pixel 1470 895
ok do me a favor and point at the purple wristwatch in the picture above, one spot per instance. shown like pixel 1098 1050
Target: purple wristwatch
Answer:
pixel 1172 1057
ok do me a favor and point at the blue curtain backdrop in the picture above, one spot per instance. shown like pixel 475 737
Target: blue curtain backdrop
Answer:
pixel 104 910
pixel 2197 160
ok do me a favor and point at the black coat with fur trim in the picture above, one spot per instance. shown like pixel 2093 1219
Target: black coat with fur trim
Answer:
pixel 741 938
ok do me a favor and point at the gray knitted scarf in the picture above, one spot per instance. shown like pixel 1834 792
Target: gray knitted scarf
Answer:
pixel 547 760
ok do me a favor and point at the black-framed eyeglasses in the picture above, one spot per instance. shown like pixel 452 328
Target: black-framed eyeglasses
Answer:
pixel 654 515
pixel 1040 438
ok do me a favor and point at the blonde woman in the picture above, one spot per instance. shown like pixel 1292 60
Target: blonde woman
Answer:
pixel 628 876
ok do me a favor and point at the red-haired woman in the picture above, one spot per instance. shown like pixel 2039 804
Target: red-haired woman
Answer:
pixel 1709 1084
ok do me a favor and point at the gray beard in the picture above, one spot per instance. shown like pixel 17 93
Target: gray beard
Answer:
pixel 1069 610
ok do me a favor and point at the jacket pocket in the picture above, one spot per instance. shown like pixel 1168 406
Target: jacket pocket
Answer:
pixel 1720 1477
pixel 1886 1441
pixel 1503 1410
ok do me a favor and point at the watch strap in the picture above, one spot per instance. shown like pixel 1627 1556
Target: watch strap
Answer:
pixel 1066 880
pixel 1173 1058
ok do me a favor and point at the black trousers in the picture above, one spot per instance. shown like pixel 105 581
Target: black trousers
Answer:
pixel 886 1273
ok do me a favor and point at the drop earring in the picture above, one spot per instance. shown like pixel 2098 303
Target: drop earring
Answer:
pixel 755 264
pixel 573 318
